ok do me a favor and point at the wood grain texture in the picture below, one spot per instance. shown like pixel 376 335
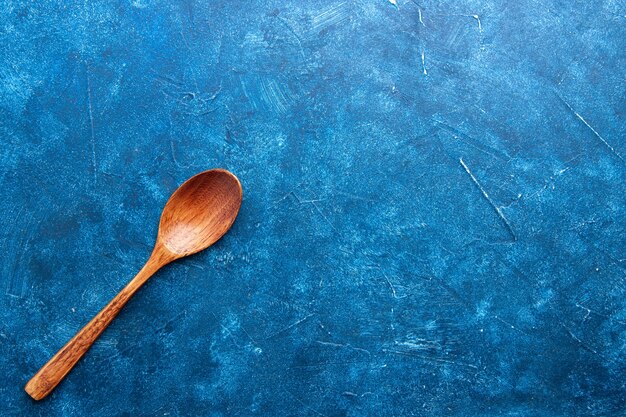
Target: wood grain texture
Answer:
pixel 198 214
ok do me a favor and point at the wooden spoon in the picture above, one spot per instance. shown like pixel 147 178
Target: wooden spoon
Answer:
pixel 196 216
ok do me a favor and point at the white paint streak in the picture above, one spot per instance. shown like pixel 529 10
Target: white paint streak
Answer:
pixel 480 27
pixel 594 131
pixel 484 193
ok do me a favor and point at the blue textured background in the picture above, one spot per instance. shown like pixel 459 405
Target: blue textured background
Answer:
pixel 433 218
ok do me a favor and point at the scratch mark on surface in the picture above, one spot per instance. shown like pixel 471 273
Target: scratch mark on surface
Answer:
pixel 608 146
pixel 355 197
pixel 247 334
pixel 173 153
pixel 230 334
pixel 419 12
pixel 322 364
pixel 420 344
pixel 393 289
pixel 580 342
pixel 484 193
pixel 471 141
pixel 510 325
pixel 290 326
pixel 324 216
pixel 347 345
pixel 424 63
pixel 441 283
pixel 480 27
pixel 590 311
pixel 430 359
pixel 166 79
pixel 395 3
pixel 93 134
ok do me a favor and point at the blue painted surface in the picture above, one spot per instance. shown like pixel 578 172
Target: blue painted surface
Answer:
pixel 433 219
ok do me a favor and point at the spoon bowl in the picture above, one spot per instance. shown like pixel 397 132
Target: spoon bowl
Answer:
pixel 200 212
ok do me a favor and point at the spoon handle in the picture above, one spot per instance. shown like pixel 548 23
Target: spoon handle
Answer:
pixel 53 372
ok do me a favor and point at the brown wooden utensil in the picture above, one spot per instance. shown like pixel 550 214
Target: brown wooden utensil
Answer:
pixel 196 216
